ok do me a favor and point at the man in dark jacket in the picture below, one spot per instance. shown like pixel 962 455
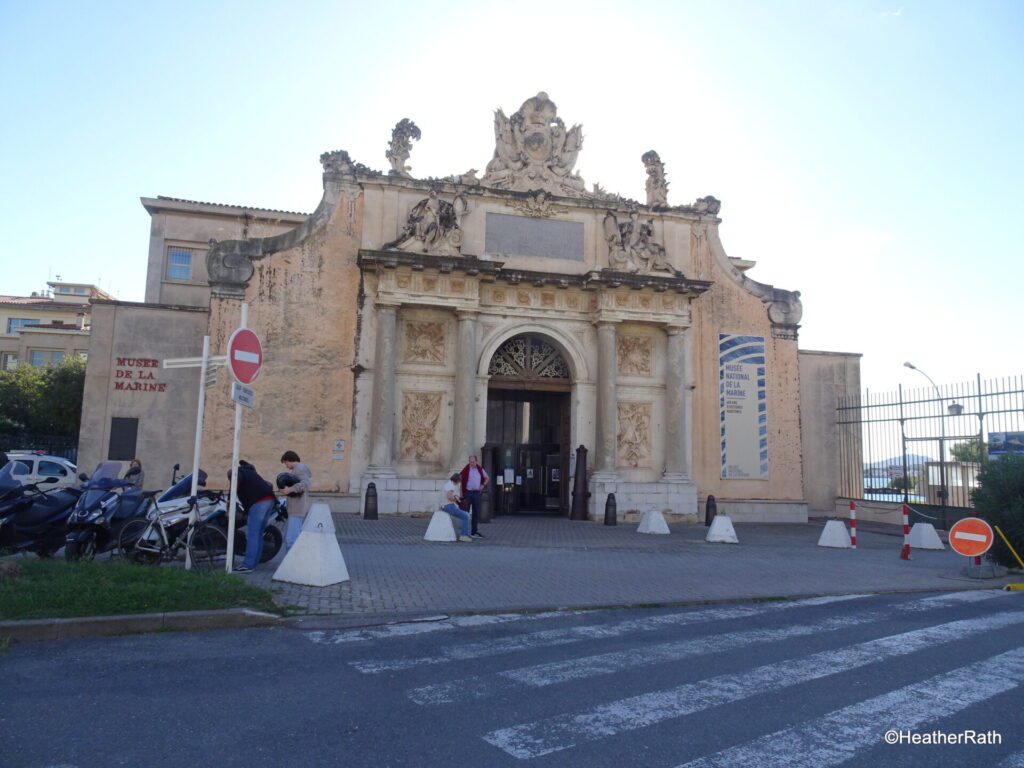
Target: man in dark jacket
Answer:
pixel 256 496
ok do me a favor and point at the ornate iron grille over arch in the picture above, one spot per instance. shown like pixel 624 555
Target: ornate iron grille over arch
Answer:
pixel 528 358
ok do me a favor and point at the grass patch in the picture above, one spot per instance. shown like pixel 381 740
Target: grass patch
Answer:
pixel 48 589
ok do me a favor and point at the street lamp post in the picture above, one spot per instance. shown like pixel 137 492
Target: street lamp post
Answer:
pixel 942 433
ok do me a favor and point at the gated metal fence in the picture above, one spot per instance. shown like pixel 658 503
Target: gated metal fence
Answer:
pixel 925 446
pixel 54 445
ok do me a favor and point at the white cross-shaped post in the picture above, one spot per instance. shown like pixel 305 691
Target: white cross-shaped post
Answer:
pixel 206 365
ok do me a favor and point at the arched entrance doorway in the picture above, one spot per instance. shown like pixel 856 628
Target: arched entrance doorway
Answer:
pixel 527 447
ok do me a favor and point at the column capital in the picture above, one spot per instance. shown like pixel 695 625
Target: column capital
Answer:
pixel 676 330
pixel 387 305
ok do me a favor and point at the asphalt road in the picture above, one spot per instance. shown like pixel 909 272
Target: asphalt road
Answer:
pixel 813 682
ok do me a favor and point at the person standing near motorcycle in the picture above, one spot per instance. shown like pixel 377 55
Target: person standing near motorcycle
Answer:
pixel 136 477
pixel 298 496
pixel 256 496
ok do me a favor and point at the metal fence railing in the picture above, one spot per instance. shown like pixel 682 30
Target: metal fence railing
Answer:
pixel 926 446
pixel 54 445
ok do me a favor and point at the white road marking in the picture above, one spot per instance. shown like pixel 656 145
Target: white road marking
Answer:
pixel 553 673
pixel 335 637
pixel 560 732
pixel 563 636
pixel 838 736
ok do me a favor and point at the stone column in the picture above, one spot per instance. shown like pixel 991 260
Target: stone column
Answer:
pixel 677 421
pixel 382 414
pixel 465 390
pixel 607 399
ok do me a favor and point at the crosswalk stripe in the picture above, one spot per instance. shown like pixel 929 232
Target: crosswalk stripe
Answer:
pixel 836 737
pixel 553 673
pixel 560 732
pixel 423 626
pixel 565 635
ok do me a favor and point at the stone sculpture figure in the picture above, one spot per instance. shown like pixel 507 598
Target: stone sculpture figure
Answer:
pixel 534 151
pixel 401 147
pixel 657 186
pixel 434 226
pixel 631 246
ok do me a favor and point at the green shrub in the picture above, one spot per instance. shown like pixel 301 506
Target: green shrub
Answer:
pixel 999 499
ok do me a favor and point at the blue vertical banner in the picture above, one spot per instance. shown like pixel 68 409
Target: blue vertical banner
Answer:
pixel 743 407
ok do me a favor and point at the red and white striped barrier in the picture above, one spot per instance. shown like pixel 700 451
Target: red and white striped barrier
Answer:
pixel 905 553
pixel 853 525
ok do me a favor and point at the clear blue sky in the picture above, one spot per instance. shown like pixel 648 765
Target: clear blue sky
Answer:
pixel 868 154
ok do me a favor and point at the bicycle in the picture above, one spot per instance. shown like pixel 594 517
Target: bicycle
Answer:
pixel 166 534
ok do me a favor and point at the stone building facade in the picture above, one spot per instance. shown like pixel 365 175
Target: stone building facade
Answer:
pixel 517 315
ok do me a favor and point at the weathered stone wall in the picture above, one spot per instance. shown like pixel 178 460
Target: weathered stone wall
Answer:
pixel 304 306
pixel 729 307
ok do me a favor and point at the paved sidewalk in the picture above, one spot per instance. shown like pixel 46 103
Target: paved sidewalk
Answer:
pixel 534 563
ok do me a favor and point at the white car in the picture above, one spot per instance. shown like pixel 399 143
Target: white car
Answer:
pixel 37 468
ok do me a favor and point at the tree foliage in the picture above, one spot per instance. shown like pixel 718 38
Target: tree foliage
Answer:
pixel 968 451
pixel 43 400
pixel 999 499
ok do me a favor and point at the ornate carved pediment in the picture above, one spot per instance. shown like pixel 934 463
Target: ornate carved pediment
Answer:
pixel 631 246
pixel 533 150
pixel 434 226
pixel 538 205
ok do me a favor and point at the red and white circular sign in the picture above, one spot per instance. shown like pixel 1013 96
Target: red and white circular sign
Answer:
pixel 971 536
pixel 245 355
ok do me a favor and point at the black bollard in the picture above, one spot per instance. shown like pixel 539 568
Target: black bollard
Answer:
pixel 580 494
pixel 370 506
pixel 710 510
pixel 485 504
pixel 611 516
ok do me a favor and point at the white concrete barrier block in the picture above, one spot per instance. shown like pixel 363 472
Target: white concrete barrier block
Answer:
pixel 835 535
pixel 923 536
pixel 315 560
pixel 721 531
pixel 441 528
pixel 653 522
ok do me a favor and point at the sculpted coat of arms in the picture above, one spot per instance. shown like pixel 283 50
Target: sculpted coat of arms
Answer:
pixel 534 151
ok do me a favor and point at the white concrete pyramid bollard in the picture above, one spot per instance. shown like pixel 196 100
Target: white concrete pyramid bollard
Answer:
pixel 721 531
pixel 315 560
pixel 653 522
pixel 835 535
pixel 923 536
pixel 441 528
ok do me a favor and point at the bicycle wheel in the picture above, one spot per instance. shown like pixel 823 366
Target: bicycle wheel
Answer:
pixel 127 543
pixel 209 548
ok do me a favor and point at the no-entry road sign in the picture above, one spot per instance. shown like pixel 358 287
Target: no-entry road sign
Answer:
pixel 245 355
pixel 971 536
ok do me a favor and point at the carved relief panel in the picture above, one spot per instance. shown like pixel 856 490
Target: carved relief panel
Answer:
pixel 424 343
pixel 421 416
pixel 634 436
pixel 634 355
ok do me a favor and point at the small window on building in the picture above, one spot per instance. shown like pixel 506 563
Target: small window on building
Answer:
pixel 39 357
pixel 79 290
pixel 123 436
pixel 179 263
pixel 14 324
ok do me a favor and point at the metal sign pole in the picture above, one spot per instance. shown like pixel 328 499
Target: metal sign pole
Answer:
pixel 194 514
pixel 233 496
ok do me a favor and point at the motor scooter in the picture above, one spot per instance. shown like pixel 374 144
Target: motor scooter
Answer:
pixel 33 519
pixel 105 507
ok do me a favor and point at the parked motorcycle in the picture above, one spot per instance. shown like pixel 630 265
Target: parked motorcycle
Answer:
pixel 105 507
pixel 33 519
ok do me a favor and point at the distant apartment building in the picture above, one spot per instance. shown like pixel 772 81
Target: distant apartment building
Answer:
pixel 45 328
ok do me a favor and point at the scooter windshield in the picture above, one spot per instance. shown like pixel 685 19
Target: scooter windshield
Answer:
pixel 100 484
pixel 8 480
pixel 182 489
